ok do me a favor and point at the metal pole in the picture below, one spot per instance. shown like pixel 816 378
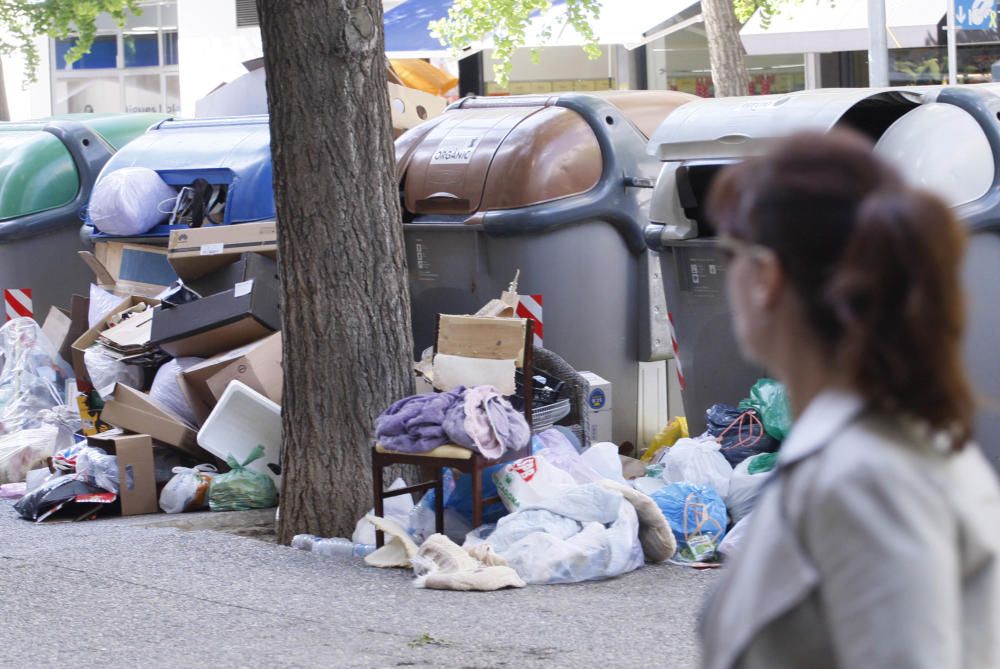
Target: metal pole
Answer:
pixel 878 47
pixel 952 46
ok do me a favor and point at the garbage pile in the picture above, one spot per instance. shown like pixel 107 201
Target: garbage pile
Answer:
pixel 161 389
pixel 570 513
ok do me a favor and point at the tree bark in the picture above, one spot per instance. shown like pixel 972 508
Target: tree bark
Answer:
pixel 345 307
pixel 725 50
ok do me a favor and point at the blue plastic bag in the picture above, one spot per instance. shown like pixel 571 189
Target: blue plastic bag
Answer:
pixel 697 517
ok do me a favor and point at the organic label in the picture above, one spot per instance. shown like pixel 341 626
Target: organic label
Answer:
pixel 455 151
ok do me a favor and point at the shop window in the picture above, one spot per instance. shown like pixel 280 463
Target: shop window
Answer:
pixel 141 50
pixel 90 95
pixel 170 48
pixel 103 54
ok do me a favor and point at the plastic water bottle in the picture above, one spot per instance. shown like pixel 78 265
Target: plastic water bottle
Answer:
pixel 335 546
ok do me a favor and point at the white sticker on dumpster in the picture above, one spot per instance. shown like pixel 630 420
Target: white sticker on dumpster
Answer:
pixel 243 288
pixel 455 151
pixel 212 249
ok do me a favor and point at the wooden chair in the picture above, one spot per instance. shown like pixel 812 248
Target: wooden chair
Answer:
pixel 471 337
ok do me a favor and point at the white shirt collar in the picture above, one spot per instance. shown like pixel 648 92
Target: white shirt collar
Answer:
pixel 827 414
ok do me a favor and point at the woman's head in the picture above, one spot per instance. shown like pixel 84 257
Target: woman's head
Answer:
pixel 832 251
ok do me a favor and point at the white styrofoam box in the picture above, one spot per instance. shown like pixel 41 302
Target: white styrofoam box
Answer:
pixel 241 420
pixel 599 403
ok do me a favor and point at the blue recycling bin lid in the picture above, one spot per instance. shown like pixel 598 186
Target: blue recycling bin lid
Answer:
pixel 231 151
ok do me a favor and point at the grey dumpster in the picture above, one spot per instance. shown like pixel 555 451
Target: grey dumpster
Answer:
pixel 47 170
pixel 558 187
pixel 944 139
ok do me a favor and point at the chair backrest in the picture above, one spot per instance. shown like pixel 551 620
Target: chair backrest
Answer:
pixel 489 338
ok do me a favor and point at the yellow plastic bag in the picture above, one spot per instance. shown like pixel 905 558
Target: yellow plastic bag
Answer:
pixel 667 437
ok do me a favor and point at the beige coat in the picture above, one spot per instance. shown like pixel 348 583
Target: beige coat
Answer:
pixel 868 548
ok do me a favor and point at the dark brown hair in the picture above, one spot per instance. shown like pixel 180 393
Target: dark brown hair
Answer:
pixel 875 262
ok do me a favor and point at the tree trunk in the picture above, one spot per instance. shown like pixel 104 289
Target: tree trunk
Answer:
pixel 345 307
pixel 725 50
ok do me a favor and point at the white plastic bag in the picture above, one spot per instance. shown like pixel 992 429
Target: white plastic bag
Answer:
pixel 102 303
pixel 587 533
pixel 604 459
pixel 733 542
pixel 396 508
pixel 167 392
pixel 32 375
pixel 25 450
pixel 557 449
pixel 744 488
pixel 105 369
pixel 96 467
pixel 529 481
pixel 127 201
pixel 188 489
pixel 698 462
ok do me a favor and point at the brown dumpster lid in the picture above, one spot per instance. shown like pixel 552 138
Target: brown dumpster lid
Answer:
pixel 646 109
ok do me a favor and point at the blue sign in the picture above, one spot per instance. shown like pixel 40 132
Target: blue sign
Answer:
pixel 975 14
pixel 597 399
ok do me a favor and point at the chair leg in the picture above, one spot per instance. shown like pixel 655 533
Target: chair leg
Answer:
pixel 477 493
pixel 379 491
pixel 439 501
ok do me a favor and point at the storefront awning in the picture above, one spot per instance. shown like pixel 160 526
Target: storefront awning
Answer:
pixel 823 26
pixel 631 23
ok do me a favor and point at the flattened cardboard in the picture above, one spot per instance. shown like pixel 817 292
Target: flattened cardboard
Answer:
pixel 196 252
pixel 137 412
pixel 57 326
pixel 246 266
pixel 257 365
pixel 90 337
pixel 219 323
pixel 136 470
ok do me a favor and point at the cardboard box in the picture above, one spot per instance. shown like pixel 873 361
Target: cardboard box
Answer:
pixel 56 328
pixel 137 412
pixel 196 252
pixel 599 404
pixel 90 337
pixel 218 323
pixel 411 107
pixel 245 267
pixel 136 471
pixel 256 365
pixel 130 269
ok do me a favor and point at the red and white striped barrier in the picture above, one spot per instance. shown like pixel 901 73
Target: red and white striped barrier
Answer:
pixel 677 351
pixel 17 303
pixel 530 306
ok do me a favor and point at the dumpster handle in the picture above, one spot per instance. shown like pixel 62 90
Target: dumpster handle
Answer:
pixel 983 215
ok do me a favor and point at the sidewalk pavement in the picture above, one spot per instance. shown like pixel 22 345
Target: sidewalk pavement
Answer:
pixel 137 592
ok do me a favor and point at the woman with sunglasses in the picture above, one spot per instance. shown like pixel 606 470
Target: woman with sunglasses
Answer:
pixel 876 540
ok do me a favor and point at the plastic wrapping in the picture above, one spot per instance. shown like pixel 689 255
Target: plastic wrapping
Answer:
pixel 770 400
pixel 105 369
pixel 698 462
pixel 96 467
pixel 241 489
pixel 740 432
pixel 51 493
pixel 28 449
pixel 730 546
pixel 167 392
pixel 398 508
pixel 188 489
pixel 603 458
pixel 32 375
pixel 697 516
pixel 127 201
pixel 529 481
pixel 102 303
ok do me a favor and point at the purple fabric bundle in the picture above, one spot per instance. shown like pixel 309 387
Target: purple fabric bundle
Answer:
pixel 416 424
pixel 479 419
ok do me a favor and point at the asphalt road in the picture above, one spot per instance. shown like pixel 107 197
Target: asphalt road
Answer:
pixel 132 593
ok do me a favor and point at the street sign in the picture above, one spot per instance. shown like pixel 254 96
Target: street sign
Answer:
pixel 976 14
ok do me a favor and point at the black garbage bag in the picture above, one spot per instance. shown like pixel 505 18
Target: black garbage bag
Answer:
pixel 740 432
pixel 51 493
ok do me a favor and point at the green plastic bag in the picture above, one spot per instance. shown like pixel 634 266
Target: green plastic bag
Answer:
pixel 764 462
pixel 242 488
pixel 769 399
